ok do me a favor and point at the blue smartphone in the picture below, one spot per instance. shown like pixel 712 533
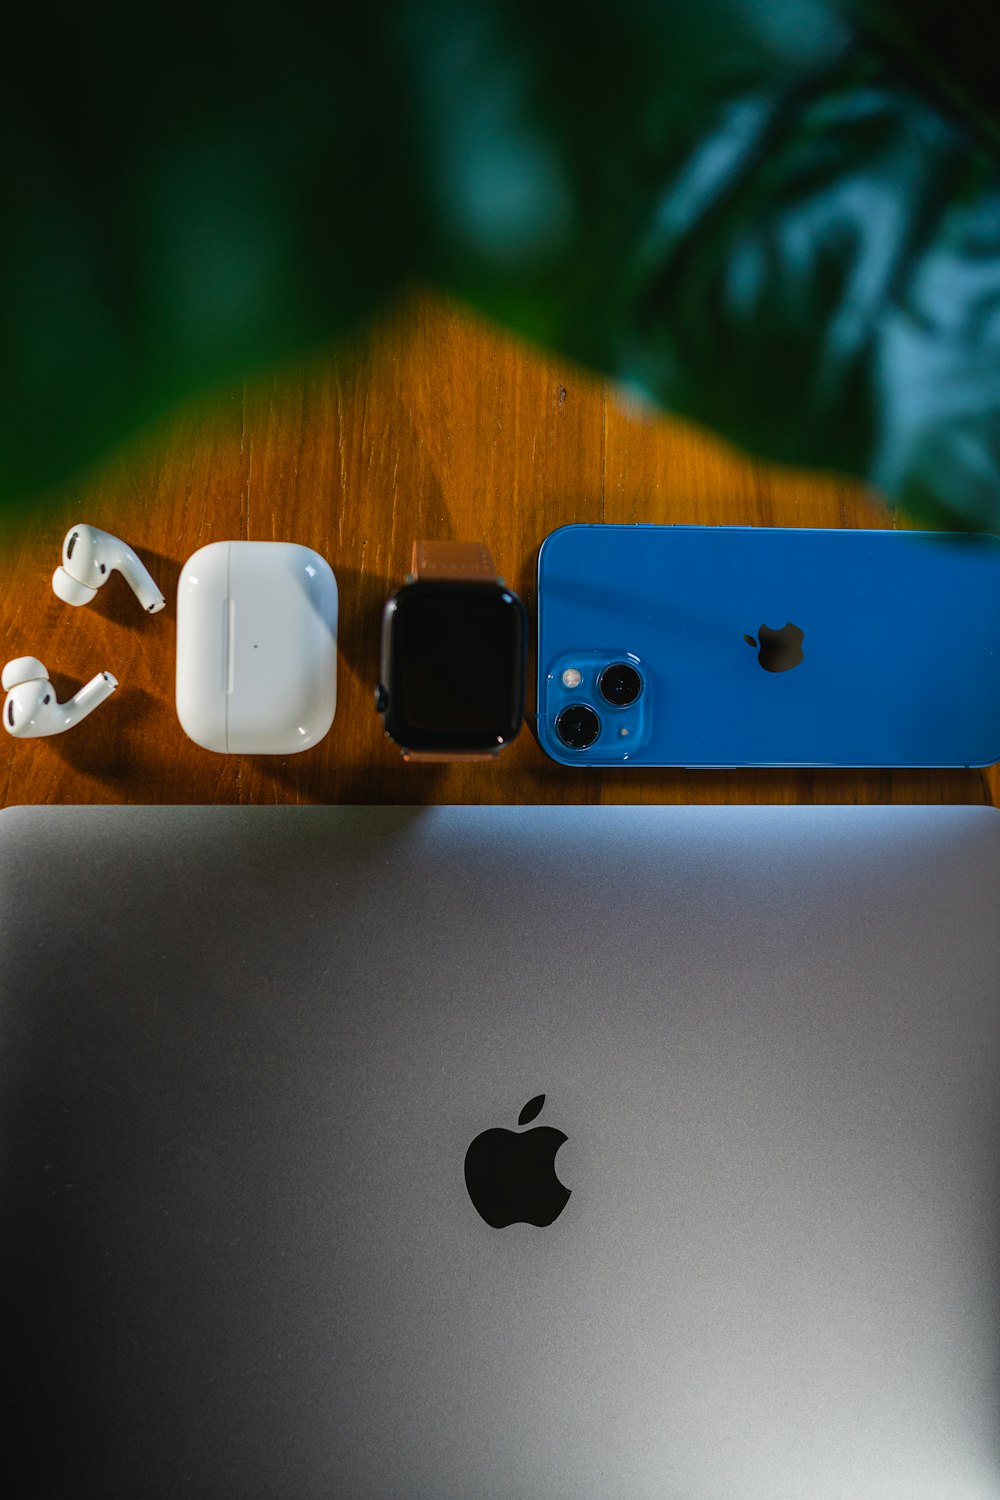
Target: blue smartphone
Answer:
pixel 723 646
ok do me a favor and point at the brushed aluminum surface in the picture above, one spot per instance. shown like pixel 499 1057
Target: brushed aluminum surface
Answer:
pixel 245 1052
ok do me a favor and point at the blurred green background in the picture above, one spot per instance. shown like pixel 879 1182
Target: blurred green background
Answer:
pixel 781 218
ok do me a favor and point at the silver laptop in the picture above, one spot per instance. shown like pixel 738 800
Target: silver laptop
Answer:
pixel 501 1154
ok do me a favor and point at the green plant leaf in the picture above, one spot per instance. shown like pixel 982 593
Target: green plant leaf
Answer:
pixel 782 220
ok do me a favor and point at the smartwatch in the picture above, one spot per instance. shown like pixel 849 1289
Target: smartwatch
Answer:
pixel 454 645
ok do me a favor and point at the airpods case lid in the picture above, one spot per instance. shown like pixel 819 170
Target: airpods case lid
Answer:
pixel 256 647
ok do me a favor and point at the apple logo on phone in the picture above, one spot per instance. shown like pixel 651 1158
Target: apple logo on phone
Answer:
pixel 511 1176
pixel 780 650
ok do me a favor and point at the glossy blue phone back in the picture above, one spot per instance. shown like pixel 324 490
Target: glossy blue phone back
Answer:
pixel 892 657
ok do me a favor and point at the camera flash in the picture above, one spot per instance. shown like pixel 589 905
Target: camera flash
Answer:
pixel 623 734
pixel 571 678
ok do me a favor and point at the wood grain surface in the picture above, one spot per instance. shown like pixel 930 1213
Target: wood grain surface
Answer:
pixel 435 426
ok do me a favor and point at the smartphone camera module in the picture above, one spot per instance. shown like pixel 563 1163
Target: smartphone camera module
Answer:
pixel 619 684
pixel 578 726
pixel 595 705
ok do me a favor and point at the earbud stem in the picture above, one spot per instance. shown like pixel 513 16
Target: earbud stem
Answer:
pixel 90 695
pixel 140 581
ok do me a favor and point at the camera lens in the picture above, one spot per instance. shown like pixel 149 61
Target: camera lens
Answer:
pixel 578 726
pixel 619 684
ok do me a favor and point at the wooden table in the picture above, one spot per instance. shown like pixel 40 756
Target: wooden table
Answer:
pixel 437 427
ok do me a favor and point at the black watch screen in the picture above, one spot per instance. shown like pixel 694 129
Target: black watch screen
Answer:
pixel 453 663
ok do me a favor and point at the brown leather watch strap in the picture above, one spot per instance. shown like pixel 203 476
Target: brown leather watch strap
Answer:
pixel 427 757
pixel 453 560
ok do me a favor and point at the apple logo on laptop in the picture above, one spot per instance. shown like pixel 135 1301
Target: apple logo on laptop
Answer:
pixel 511 1176
pixel 780 650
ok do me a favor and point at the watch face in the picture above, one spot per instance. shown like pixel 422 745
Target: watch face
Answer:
pixel 453 666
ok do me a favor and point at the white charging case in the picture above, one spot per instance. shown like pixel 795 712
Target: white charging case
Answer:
pixel 256 647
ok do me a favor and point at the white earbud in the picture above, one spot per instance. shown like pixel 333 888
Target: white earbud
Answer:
pixel 89 556
pixel 31 709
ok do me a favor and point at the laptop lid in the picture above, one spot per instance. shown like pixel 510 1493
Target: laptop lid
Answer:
pixel 245 1056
